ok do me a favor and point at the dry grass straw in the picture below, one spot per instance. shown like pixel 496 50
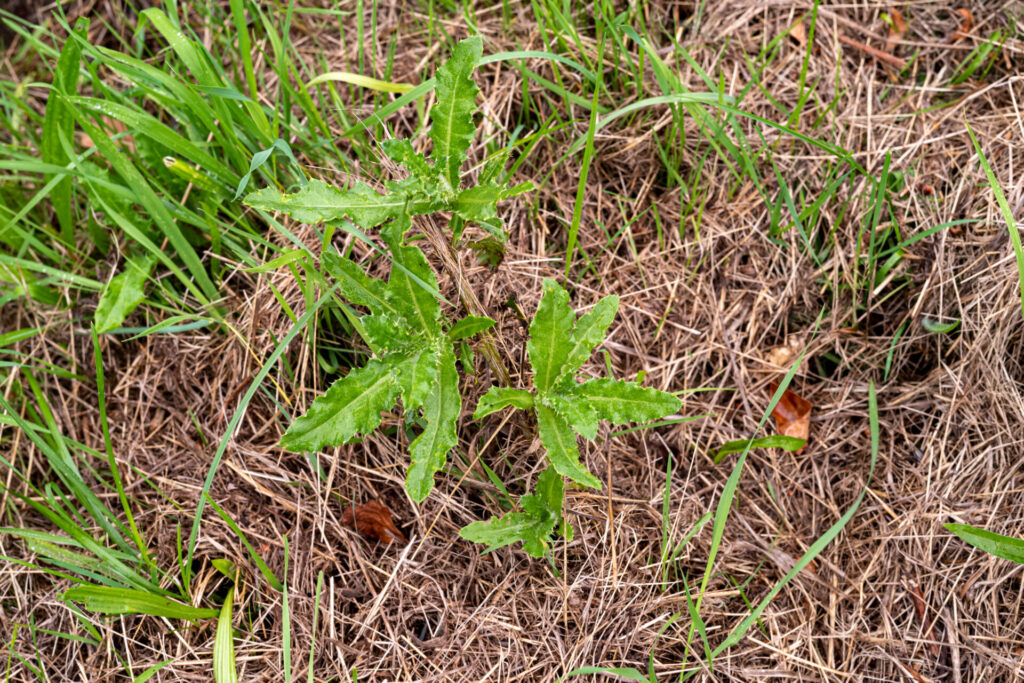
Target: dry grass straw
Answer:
pixel 702 312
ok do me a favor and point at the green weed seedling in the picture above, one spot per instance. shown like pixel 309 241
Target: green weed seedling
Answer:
pixel 559 345
pixel 415 357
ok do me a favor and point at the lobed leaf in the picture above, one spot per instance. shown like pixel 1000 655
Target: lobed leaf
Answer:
pixel 452 127
pixel 590 331
pixel 429 451
pixel 387 333
pixel 560 441
pixel 417 375
pixel 621 402
pixel 355 286
pixel 510 528
pixel 351 406
pixel 498 398
pixel 318 202
pixel 417 304
pixel 551 489
pixel 402 152
pixel 551 327
pixel 478 203
pixel 577 411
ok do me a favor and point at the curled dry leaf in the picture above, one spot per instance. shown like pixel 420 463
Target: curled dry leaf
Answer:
pixel 373 520
pixel 792 414
pixel 967 21
pixel 897 29
pixel 780 356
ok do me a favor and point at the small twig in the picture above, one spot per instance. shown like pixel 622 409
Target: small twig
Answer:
pixel 875 52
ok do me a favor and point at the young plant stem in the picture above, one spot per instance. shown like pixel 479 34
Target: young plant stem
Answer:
pixel 450 261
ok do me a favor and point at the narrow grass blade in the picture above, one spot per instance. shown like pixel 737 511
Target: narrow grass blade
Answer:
pixel 266 571
pixel 224 670
pixel 1006 547
pixel 819 545
pixel 268 365
pixel 109 600
pixel 1004 208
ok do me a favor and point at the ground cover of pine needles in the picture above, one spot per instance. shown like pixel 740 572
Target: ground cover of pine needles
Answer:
pixel 819 194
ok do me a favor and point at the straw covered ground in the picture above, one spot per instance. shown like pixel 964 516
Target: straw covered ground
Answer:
pixel 724 281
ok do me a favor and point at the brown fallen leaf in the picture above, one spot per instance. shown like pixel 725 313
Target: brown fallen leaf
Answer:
pixel 897 29
pixel 792 415
pixel 965 25
pixel 373 520
pixel 797 31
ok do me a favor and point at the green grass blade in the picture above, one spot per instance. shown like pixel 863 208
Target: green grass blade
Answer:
pixel 108 600
pixel 224 670
pixel 1004 208
pixel 266 571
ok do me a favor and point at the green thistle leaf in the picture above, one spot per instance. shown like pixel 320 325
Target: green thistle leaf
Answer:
pixel 498 398
pixel 441 409
pixel 621 402
pixel 418 376
pixel 576 410
pixel 560 441
pixel 551 327
pixel 417 304
pixel 451 117
pixel 351 406
pixel 318 202
pixel 590 331
pixel 478 203
pixel 354 285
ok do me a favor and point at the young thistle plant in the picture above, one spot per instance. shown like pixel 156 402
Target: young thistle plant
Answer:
pixel 413 345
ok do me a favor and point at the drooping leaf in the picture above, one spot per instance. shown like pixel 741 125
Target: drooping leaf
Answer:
pixel 577 411
pixel 621 402
pixel 113 600
pixel 1006 547
pixel 429 451
pixel 498 398
pixel 792 415
pixel 351 406
pixel 373 520
pixel 787 443
pixel 318 202
pixel 354 285
pixel 549 331
pixel 469 326
pixel 559 440
pixel 416 303
pixel 590 331
pixel 123 294
pixel 451 117
pixel 478 203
